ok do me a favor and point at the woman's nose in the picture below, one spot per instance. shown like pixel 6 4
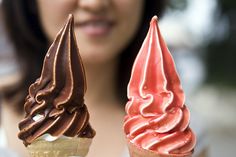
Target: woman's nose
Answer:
pixel 94 5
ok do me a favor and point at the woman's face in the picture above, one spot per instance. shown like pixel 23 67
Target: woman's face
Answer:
pixel 103 27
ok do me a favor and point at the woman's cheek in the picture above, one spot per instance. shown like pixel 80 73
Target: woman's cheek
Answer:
pixel 53 14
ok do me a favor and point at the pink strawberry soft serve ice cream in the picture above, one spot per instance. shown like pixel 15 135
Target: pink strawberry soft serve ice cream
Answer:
pixel 157 118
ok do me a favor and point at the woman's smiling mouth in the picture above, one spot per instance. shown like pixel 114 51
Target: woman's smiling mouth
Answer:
pixel 95 26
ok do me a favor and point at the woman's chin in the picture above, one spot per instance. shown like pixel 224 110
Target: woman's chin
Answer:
pixel 97 59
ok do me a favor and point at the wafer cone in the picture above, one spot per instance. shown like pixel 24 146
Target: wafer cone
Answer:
pixel 135 151
pixel 60 148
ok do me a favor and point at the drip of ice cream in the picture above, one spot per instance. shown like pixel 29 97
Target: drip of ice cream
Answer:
pixel 157 118
pixel 55 104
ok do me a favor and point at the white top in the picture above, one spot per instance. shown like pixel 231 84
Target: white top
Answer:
pixel 7 153
pixel 4 151
pixel 3 139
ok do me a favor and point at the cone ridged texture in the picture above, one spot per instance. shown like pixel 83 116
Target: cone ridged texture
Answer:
pixel 60 148
pixel 135 151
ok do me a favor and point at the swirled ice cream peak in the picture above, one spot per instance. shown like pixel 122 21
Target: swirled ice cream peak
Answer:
pixel 55 104
pixel 157 118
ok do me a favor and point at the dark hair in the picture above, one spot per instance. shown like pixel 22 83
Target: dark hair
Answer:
pixel 151 8
pixel 25 31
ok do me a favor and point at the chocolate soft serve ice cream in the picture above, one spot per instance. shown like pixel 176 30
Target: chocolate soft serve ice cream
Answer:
pixel 55 105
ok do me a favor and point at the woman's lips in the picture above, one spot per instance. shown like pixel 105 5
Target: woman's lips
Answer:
pixel 95 27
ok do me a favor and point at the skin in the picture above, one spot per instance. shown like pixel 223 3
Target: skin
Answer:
pixel 96 45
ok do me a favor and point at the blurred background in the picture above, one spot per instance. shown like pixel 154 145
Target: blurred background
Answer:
pixel 201 34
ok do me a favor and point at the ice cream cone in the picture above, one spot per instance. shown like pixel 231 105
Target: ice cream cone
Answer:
pixel 157 120
pixel 55 103
pixel 136 151
pixel 76 147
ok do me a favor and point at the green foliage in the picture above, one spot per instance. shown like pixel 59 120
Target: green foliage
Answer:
pixel 178 4
pixel 221 56
pixel 227 5
pixel 221 65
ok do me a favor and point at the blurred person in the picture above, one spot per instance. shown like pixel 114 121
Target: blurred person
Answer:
pixel 109 34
